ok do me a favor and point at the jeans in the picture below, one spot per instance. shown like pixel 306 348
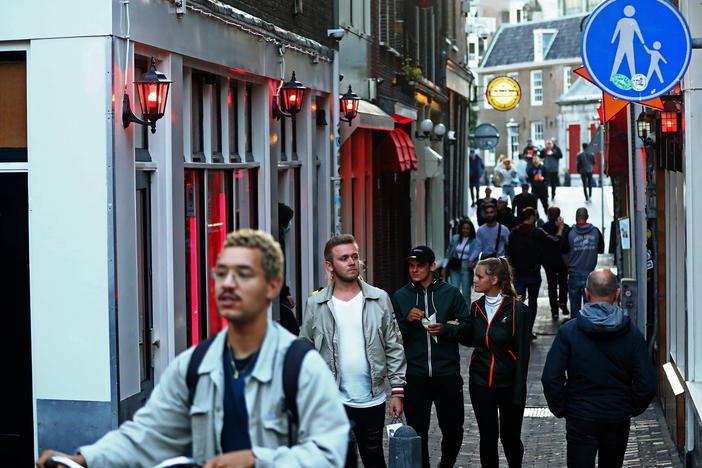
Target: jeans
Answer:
pixel 557 277
pixel 508 427
pixel 368 425
pixel 586 177
pixel 508 190
pixel 446 392
pixel 474 184
pixel 527 286
pixel 462 279
pixel 576 291
pixel 585 439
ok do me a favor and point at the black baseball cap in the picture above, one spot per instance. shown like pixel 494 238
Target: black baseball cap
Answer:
pixel 422 254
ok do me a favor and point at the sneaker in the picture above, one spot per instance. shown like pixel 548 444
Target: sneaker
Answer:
pixel 554 315
pixel 533 336
pixel 564 309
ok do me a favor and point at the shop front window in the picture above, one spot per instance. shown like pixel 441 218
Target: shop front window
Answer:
pixel 216 203
pixel 246 203
pixel 218 225
pixel 194 272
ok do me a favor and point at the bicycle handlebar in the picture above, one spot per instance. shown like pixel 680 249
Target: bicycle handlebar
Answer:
pixel 58 460
pixel 178 462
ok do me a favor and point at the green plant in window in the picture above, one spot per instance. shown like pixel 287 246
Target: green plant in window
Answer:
pixel 410 70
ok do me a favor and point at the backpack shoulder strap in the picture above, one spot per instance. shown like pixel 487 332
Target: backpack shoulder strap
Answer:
pixel 291 373
pixel 191 377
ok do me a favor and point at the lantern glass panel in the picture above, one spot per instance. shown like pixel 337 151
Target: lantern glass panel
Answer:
pixel 669 122
pixel 292 100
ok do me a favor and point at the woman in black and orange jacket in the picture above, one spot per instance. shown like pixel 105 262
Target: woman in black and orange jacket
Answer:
pixel 499 332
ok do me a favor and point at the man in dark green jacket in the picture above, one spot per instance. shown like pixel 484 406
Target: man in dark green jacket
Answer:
pixel 432 316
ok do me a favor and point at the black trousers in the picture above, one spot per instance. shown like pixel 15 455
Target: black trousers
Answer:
pixel 540 191
pixel 368 425
pixel 527 286
pixel 446 392
pixel 557 278
pixel 586 177
pixel 486 402
pixel 586 439
pixel 553 181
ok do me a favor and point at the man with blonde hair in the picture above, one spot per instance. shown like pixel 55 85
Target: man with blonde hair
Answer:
pixel 352 325
pixel 233 416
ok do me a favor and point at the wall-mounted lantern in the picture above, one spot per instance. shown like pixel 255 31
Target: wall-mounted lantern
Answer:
pixel 643 126
pixel 153 94
pixel 290 98
pixel 349 106
pixel 426 126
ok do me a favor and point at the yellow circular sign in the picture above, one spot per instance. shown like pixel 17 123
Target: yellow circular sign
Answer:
pixel 503 93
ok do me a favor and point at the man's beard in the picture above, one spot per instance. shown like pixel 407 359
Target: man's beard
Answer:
pixel 349 278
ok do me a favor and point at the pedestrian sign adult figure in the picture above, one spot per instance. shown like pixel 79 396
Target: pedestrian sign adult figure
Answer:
pixel 626 28
pixel 653 37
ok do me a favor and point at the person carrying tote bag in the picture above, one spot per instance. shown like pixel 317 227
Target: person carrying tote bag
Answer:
pixel 457 269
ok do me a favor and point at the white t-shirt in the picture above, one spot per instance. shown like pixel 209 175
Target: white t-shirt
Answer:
pixel 355 386
pixel 491 305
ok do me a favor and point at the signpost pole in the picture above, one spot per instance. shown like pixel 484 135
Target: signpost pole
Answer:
pixel 602 203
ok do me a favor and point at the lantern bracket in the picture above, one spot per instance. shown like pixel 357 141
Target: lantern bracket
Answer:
pixel 128 116
pixel 278 113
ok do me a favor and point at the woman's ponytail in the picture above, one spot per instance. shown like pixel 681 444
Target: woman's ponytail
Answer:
pixel 500 268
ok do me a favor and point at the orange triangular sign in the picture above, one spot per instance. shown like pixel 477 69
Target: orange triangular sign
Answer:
pixel 582 71
pixel 612 105
pixel 656 103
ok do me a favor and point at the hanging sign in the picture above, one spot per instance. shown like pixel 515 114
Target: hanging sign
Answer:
pixel 503 93
pixel 636 50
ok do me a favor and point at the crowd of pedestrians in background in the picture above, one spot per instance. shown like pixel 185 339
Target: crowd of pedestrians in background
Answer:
pixel 374 353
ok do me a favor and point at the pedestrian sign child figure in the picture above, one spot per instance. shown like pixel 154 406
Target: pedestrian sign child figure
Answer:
pixel 651 36
pixel 655 58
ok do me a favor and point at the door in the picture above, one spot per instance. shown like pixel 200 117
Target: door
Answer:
pixel 16 420
pixel 573 146
pixel 128 406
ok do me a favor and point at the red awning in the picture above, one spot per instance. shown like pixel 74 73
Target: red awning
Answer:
pixel 397 151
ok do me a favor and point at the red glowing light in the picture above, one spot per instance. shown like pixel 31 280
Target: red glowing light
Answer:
pixel 669 122
pixel 314 107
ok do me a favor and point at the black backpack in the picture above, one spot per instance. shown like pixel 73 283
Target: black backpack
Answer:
pixel 291 372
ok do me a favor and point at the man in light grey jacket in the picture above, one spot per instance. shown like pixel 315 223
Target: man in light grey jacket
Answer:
pixel 352 325
pixel 236 418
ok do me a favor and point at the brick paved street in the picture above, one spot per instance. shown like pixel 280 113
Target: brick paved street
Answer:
pixel 543 435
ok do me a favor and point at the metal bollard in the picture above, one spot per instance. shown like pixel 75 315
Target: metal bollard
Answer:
pixel 405 449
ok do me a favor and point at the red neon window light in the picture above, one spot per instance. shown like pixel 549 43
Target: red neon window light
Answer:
pixel 192 258
pixel 218 198
pixel 669 122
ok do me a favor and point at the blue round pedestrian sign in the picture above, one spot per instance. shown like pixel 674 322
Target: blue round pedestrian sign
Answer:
pixel 636 49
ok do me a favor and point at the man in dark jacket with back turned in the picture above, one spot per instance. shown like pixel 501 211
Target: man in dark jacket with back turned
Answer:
pixel 423 308
pixel 552 261
pixel 583 244
pixel 598 375
pixel 525 251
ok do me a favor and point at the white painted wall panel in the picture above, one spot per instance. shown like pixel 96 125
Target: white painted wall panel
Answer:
pixel 30 19
pixel 68 104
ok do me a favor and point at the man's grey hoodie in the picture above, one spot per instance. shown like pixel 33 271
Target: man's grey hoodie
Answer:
pixel 585 241
pixel 598 368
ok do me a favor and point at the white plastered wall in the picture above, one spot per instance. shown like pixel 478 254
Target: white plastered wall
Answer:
pixel 68 143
